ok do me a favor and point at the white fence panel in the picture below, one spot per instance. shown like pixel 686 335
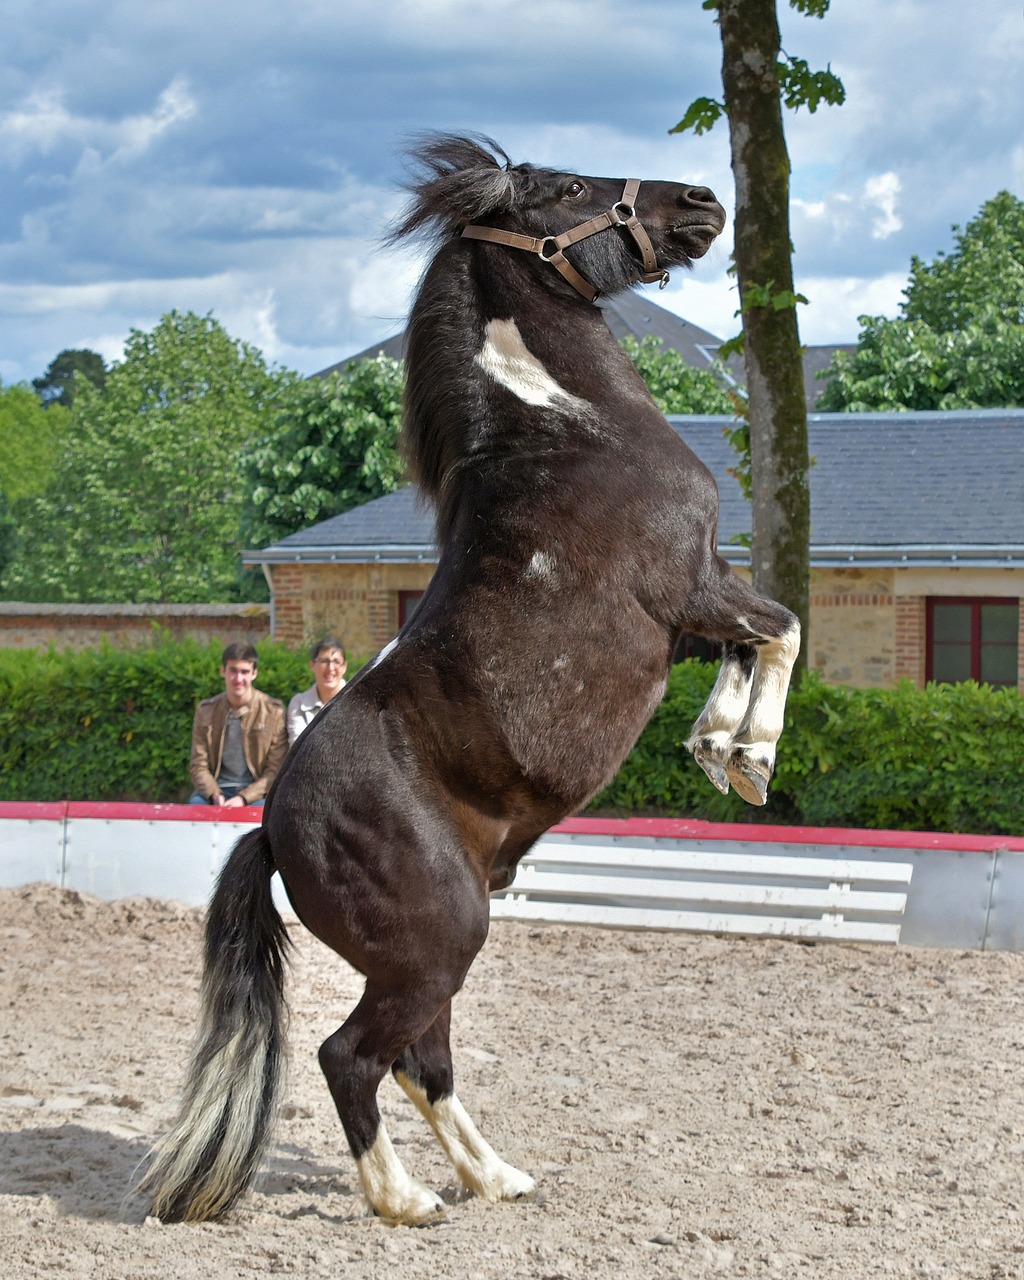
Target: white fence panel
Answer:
pixel 32 849
pixel 121 859
pixel 673 886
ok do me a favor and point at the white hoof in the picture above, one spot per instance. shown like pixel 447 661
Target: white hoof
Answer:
pixel 505 1182
pixel 391 1193
pixel 419 1207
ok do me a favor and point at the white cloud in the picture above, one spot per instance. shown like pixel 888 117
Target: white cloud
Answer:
pixel 42 123
pixel 835 302
pixel 243 157
pixel 884 191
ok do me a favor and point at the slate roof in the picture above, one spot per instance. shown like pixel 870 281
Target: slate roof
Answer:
pixel 886 489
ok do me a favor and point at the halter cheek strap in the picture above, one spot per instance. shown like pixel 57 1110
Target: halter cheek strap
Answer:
pixel 621 214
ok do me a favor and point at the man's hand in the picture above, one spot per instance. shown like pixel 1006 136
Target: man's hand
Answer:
pixel 236 802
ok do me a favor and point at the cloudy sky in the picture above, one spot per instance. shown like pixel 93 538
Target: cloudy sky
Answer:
pixel 243 156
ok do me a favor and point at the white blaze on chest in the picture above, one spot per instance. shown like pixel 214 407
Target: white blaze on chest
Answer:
pixel 508 360
pixel 388 648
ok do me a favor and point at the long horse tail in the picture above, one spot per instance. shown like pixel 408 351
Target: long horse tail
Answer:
pixel 211 1155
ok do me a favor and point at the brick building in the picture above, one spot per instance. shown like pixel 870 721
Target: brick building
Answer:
pixel 917 549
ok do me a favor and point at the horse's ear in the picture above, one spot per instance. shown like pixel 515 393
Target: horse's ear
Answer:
pixel 456 180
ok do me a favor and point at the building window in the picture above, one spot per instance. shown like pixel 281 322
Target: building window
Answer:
pixel 407 602
pixel 972 640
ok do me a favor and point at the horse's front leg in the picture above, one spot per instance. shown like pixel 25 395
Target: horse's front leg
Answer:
pixel 751 760
pixel 735 735
pixel 424 1071
pixel 711 739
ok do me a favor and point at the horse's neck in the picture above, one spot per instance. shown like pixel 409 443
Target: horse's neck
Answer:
pixel 483 314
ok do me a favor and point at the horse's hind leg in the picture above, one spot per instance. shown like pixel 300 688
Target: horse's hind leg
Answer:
pixel 355 1059
pixel 425 1073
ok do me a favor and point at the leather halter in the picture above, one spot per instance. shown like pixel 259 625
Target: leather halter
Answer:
pixel 621 214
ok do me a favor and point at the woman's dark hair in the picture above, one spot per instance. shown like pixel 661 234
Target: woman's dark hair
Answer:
pixel 328 642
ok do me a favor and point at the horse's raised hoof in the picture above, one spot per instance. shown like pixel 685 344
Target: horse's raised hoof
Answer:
pixel 749 778
pixel 712 765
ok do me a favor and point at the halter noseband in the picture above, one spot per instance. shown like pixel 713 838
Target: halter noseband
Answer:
pixel 621 214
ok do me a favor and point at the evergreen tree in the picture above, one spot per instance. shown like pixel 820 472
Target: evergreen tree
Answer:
pixel 57 384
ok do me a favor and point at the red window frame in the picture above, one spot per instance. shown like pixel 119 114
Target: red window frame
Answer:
pixel 407 602
pixel 975 603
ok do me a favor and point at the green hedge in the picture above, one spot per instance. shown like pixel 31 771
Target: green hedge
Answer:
pixel 115 724
pixel 107 724
pixel 942 758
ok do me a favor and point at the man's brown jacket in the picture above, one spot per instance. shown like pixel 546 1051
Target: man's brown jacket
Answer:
pixel 264 742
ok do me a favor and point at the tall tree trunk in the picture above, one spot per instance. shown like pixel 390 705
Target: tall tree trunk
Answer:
pixel 774 370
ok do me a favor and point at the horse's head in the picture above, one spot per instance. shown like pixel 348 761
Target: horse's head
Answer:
pixel 601 234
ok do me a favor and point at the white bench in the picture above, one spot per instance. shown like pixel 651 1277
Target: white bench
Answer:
pixel 625 887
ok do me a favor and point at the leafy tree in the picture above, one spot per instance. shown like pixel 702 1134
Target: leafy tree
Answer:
pixel 57 385
pixel 758 78
pixel 333 447
pixel 9 540
pixel 146 500
pixel 984 273
pixel 31 440
pixel 959 343
pixel 675 385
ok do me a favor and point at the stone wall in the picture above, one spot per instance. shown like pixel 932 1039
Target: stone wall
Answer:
pixel 868 625
pixel 84 626
pixel 853 633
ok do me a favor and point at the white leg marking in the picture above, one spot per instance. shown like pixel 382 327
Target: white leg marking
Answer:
pixel 508 360
pixel 725 708
pixel 474 1160
pixel 391 1192
pixel 762 725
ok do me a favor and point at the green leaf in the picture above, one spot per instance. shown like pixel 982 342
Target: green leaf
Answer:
pixel 701 116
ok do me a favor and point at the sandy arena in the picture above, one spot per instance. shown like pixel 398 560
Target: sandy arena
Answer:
pixel 691 1107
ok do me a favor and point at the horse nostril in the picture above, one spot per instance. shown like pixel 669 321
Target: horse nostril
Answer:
pixel 697 195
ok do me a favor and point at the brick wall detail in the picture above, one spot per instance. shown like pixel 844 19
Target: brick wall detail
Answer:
pixel 910 639
pixel 86 626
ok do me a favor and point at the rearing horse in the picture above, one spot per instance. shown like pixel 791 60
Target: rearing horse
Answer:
pixel 577 537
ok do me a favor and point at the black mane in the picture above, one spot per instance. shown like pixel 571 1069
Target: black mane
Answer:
pixel 456 179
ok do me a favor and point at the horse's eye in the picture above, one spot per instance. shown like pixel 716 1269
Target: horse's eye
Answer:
pixel 574 190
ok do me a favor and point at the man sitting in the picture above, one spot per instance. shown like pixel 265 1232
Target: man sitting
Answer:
pixel 238 736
